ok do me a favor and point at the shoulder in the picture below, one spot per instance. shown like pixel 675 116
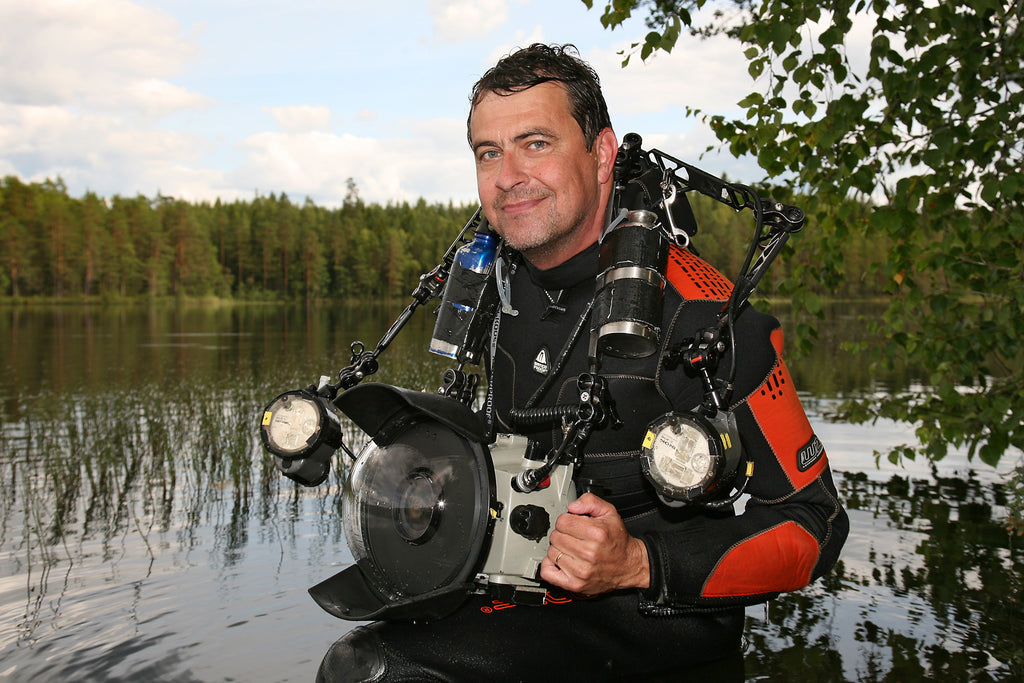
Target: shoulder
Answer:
pixel 702 293
pixel 696 281
pixel 694 278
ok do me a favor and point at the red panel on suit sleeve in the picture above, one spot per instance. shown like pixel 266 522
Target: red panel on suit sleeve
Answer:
pixel 694 278
pixel 779 559
pixel 777 341
pixel 782 420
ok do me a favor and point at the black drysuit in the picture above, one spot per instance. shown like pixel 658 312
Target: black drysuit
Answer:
pixel 705 564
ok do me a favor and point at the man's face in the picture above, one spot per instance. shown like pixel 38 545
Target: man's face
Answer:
pixel 539 186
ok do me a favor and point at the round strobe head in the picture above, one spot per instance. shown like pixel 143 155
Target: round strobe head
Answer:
pixel 687 457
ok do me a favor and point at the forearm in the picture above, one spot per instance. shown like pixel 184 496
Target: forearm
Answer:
pixel 747 559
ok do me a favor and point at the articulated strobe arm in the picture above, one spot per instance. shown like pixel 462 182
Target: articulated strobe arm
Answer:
pixel 596 409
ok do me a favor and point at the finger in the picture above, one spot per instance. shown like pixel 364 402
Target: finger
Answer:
pixel 589 504
pixel 576 534
pixel 566 536
pixel 556 576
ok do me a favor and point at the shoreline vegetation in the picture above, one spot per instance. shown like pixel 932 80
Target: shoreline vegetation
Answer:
pixel 144 300
pixel 92 250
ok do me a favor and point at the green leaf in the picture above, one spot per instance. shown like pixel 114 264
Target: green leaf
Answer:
pixel 781 32
pixel 651 42
pixel 993 448
pixel 752 100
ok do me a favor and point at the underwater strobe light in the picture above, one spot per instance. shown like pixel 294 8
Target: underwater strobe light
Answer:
pixel 302 431
pixel 690 458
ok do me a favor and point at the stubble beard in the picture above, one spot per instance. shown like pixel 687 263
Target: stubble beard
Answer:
pixel 547 234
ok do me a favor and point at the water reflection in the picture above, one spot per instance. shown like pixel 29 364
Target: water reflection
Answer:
pixel 145 535
pixel 928 589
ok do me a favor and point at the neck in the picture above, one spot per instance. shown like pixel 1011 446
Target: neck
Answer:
pixel 552 255
pixel 569 273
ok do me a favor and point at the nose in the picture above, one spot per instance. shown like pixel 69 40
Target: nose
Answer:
pixel 511 173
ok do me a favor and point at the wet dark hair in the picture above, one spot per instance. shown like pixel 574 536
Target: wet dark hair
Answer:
pixel 529 66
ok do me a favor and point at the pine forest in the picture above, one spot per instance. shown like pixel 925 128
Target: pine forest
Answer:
pixel 57 247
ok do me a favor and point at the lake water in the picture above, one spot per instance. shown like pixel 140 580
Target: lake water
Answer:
pixel 144 534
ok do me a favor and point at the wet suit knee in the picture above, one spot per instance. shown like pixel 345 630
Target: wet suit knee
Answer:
pixel 361 657
pixel 356 656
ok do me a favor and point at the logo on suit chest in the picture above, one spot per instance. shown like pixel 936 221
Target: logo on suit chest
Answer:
pixel 542 361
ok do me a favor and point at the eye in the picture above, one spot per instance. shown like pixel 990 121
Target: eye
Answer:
pixel 487 155
pixel 537 144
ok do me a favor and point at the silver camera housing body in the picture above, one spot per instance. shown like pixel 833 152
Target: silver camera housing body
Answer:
pixel 511 569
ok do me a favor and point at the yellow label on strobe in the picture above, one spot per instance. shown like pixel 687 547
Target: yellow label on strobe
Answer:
pixel 266 417
pixel 726 441
pixel 649 439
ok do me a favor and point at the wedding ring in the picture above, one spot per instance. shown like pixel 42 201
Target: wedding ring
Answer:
pixel 558 558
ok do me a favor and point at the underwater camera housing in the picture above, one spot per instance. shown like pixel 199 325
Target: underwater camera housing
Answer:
pixel 430 512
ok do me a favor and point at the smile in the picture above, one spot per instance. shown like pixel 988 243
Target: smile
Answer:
pixel 517 207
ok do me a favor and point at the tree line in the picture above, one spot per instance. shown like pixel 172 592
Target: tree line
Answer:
pixel 56 246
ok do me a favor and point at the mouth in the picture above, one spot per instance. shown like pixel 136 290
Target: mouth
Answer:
pixel 518 206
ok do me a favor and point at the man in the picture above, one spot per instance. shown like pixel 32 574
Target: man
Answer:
pixel 650 590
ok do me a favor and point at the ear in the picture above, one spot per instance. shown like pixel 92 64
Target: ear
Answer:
pixel 606 146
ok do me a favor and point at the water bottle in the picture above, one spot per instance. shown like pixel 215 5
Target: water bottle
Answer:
pixel 455 335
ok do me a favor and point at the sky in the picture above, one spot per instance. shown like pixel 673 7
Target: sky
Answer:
pixel 207 99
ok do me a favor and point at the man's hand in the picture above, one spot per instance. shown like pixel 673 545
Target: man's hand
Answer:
pixel 591 552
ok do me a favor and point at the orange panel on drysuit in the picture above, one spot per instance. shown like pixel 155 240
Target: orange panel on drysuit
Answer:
pixel 778 559
pixel 695 279
pixel 782 420
pixel 783 557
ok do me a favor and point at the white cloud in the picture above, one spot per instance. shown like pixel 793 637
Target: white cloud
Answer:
pixel 94 151
pixel 81 86
pixel 519 39
pixel 106 53
pixel 155 98
pixel 301 118
pixel 705 74
pixel 420 161
pixel 455 20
